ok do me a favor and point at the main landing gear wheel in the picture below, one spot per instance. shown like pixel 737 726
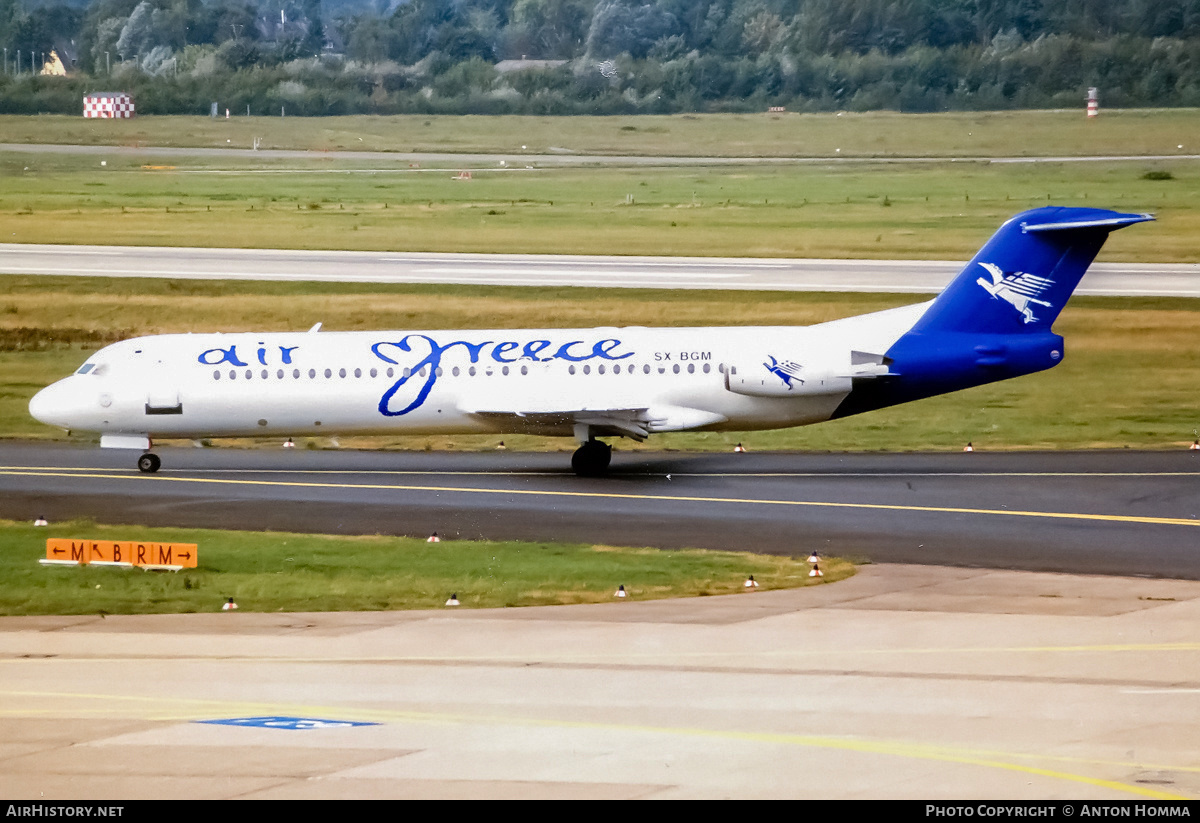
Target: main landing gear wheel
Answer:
pixel 149 463
pixel 591 459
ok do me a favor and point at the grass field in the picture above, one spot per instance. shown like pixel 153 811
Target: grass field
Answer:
pixel 1128 379
pixel 935 209
pixel 273 571
pixel 875 134
pixel 916 211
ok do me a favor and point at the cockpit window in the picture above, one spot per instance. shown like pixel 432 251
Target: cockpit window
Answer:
pixel 85 368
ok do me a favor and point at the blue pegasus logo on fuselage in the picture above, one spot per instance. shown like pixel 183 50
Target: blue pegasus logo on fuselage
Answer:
pixel 787 371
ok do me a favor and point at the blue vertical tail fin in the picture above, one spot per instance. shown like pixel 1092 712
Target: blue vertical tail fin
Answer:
pixel 993 321
pixel 1021 279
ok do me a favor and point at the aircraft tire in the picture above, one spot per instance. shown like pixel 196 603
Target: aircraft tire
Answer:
pixel 149 463
pixel 591 459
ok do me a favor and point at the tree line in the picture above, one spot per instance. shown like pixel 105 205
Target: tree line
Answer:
pixel 317 57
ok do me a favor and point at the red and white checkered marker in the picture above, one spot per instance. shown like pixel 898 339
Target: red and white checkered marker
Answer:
pixel 229 606
pixel 108 104
pixel 433 538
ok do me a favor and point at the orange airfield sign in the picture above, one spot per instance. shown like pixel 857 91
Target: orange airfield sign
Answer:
pixel 121 552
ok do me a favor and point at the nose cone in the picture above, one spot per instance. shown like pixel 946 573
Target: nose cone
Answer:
pixel 56 405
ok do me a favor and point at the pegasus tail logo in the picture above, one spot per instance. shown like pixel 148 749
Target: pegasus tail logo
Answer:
pixel 1019 288
pixel 787 371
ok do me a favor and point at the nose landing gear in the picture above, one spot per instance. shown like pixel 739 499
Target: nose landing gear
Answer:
pixel 149 463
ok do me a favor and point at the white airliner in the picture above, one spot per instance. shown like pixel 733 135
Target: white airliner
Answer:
pixel 991 323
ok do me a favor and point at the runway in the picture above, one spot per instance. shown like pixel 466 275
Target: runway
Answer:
pixel 895 276
pixel 1117 513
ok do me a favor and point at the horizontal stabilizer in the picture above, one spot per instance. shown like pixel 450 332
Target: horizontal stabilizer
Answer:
pixel 1110 223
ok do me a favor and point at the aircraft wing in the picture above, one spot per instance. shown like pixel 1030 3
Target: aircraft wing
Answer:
pixel 634 423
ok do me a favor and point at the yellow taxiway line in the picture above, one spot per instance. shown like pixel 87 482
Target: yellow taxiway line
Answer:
pixel 559 493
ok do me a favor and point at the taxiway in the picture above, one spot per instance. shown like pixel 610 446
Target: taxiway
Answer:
pixel 1117 513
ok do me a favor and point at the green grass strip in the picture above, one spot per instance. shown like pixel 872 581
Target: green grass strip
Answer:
pixel 277 571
